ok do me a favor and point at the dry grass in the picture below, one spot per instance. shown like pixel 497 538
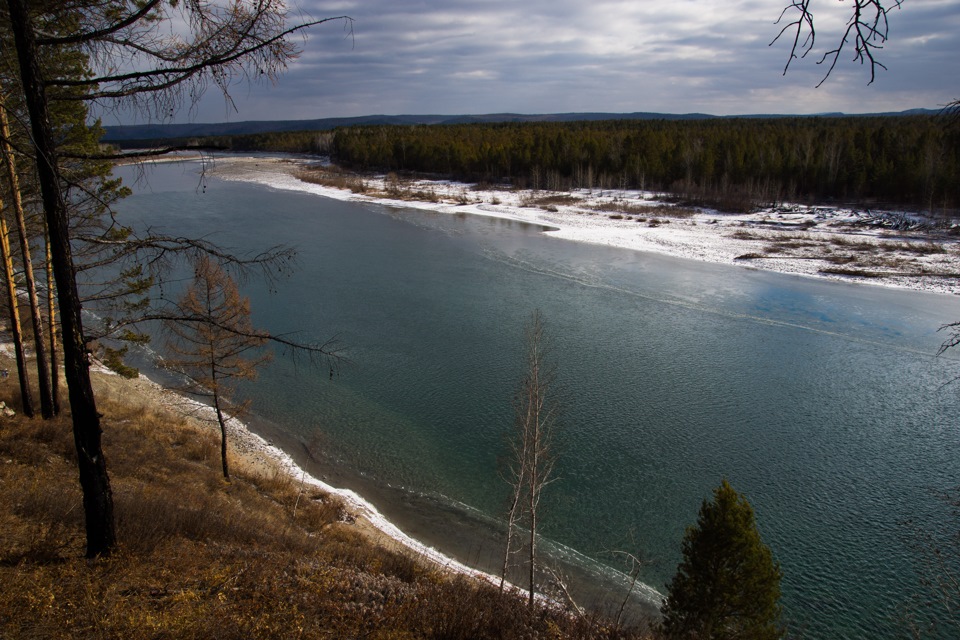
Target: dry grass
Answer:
pixel 646 210
pixel 333 177
pixel 923 248
pixel 551 202
pixel 260 557
pixel 743 234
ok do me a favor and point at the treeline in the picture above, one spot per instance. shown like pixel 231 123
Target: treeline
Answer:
pixel 909 161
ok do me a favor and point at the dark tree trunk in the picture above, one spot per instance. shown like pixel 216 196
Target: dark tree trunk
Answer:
pixel 97 496
pixel 223 436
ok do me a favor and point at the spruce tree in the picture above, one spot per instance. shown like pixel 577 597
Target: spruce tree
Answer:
pixel 727 585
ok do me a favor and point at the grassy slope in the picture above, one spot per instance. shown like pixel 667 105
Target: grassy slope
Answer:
pixel 201 558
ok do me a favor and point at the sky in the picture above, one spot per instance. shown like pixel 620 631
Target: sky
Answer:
pixel 557 56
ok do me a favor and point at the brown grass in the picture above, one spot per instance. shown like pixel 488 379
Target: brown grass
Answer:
pixel 860 273
pixel 629 208
pixel 743 234
pixel 919 248
pixel 260 557
pixel 333 177
pixel 550 202
pixel 853 244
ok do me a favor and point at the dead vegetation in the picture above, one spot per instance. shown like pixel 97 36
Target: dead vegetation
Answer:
pixel 855 256
pixel 333 177
pixel 625 208
pixel 256 558
pixel 550 202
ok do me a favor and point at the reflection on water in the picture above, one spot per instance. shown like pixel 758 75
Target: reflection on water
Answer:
pixel 822 402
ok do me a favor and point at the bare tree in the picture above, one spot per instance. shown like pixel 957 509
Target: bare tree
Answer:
pixel 142 54
pixel 866 32
pixel 532 459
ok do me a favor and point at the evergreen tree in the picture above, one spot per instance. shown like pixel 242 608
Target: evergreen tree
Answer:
pixel 727 585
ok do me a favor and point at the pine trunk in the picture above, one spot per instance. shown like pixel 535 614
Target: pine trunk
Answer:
pixel 26 397
pixel 43 373
pixel 52 324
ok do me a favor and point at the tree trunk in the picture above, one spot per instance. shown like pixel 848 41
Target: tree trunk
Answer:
pixel 43 373
pixel 97 496
pixel 26 397
pixel 533 554
pixel 511 525
pixel 52 323
pixel 223 436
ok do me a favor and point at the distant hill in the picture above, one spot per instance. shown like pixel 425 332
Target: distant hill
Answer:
pixel 161 131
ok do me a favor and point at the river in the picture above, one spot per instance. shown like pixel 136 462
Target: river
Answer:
pixel 823 402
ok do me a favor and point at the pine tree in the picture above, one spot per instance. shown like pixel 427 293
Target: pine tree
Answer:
pixel 727 585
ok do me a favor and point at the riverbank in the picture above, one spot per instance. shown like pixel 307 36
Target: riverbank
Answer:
pixel 389 517
pixel 252 452
pixel 267 555
pixel 885 248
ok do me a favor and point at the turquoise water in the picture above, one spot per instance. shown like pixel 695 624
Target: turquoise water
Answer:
pixel 821 401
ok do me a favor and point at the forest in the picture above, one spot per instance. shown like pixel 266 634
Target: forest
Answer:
pixel 730 163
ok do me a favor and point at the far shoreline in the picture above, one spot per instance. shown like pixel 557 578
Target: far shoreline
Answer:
pixel 831 243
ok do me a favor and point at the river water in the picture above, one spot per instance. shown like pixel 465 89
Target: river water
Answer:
pixel 822 402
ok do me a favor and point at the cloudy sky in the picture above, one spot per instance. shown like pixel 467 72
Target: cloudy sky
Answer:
pixel 550 56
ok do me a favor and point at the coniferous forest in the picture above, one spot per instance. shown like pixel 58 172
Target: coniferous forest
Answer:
pixel 906 161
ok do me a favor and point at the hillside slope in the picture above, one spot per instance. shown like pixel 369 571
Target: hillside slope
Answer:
pixel 201 558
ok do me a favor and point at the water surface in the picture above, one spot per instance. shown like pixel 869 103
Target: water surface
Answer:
pixel 821 401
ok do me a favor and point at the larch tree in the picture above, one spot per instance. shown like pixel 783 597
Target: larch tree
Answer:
pixel 727 587
pixel 149 54
pixel 532 455
pixel 215 343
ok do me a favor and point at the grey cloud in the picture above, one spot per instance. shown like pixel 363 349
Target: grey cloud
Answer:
pixel 563 55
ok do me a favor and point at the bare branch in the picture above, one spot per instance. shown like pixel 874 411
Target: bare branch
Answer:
pixel 139 155
pixel 100 33
pixel 209 55
pixel 866 31
pixel 804 22
pixel 953 340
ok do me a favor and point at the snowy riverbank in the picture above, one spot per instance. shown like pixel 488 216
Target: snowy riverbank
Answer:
pixel 872 247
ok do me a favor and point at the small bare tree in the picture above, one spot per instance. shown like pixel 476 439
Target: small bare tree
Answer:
pixel 532 453
pixel 215 343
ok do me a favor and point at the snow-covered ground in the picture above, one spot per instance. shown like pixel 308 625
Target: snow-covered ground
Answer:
pixel 876 247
